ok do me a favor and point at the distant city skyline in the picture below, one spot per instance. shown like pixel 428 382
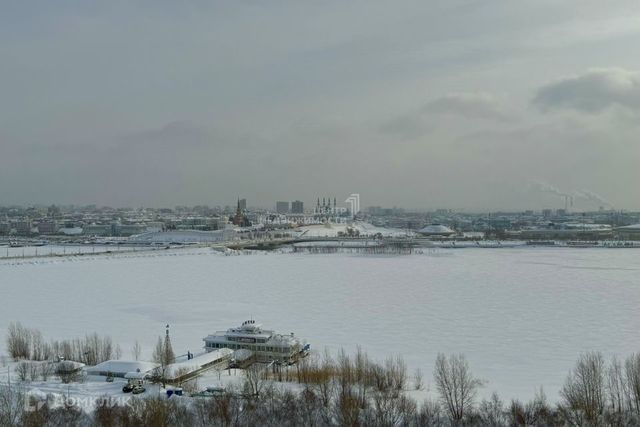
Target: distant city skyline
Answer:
pixel 299 206
pixel 431 104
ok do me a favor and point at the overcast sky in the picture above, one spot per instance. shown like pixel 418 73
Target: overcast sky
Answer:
pixel 477 105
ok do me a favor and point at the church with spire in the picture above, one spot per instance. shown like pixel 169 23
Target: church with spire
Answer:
pixel 240 219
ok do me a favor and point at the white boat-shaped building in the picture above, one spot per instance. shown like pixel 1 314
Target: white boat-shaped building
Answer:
pixel 265 344
pixel 436 230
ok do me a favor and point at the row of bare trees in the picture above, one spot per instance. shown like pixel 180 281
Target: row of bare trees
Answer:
pixel 600 394
pixel 19 409
pixel 34 371
pixel 358 391
pixel 355 390
pixel 31 371
pixel 28 344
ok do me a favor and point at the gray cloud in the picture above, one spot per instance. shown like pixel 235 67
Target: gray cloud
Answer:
pixel 167 102
pixel 592 91
pixel 408 126
pixel 172 134
pixel 477 105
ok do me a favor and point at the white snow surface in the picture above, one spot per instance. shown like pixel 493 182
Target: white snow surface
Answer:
pixel 520 315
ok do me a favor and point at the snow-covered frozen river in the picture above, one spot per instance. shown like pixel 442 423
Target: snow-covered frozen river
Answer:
pixel 50 250
pixel 521 316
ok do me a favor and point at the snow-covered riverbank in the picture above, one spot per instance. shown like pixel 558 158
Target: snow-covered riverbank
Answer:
pixel 521 315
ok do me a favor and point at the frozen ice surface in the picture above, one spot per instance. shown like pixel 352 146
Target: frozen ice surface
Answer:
pixel 520 315
pixel 31 251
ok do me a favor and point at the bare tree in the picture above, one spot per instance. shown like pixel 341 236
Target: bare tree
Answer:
pixel 429 414
pixel 159 374
pixel 91 350
pixel 34 371
pixel 584 392
pixel 23 371
pixel 158 353
pixel 348 408
pixel 254 379
pixel 19 341
pixel 163 352
pixel 136 350
pixel 391 410
pixel 456 385
pixel 46 369
pixel 67 372
pixel 106 349
pixel 12 405
pixel 320 378
pixel 163 355
pixel 105 414
pixel 617 390
pixel 396 369
pixel 418 381
pixel 539 413
pixel 491 412
pixel 632 377
pixel 37 344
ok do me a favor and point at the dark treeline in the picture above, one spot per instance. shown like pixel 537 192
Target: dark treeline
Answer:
pixel 356 391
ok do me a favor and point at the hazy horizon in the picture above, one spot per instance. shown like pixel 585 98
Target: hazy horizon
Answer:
pixel 309 206
pixel 418 104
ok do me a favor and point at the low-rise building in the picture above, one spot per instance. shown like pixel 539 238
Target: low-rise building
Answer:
pixel 569 231
pixel 282 207
pixel 23 228
pixel 297 207
pixel 126 230
pixel 97 230
pixel 5 228
pixel 47 227
pixel 628 232
pixel 266 345
pixel 184 236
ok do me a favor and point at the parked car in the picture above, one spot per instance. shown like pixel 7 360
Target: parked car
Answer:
pixel 138 389
pixel 128 388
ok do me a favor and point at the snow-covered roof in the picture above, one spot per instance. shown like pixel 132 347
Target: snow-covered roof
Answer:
pixel 135 375
pixel 196 363
pixel 69 365
pixel 437 230
pixel 585 226
pixel 632 227
pixel 121 367
pixel 242 354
